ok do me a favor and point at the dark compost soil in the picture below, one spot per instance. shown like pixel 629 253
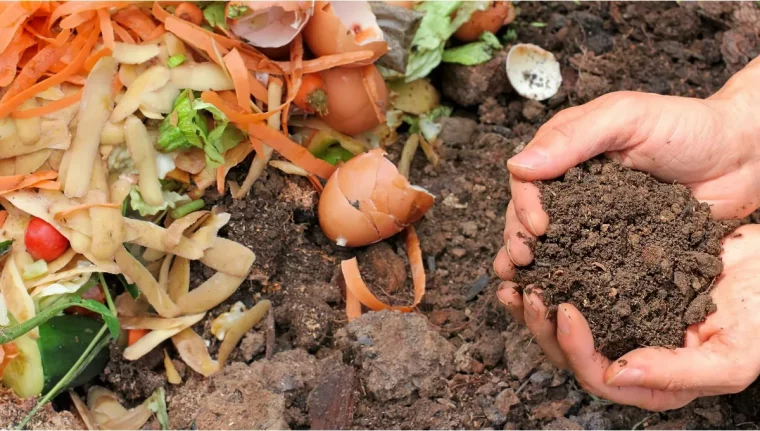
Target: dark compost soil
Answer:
pixel 637 257
pixel 459 361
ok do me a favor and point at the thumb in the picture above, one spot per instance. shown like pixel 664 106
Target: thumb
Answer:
pixel 580 133
pixel 709 367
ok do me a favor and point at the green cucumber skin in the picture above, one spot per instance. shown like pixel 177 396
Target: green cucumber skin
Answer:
pixel 62 341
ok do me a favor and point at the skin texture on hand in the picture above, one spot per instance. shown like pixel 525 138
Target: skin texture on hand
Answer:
pixel 713 147
pixel 721 355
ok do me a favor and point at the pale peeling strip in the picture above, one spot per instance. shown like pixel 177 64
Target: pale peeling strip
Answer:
pixel 243 324
pixel 67 274
pixel 209 294
pixel 154 323
pixel 172 375
pixel 179 278
pixel 29 163
pixel 145 282
pixel 229 257
pixel 17 299
pixel 206 235
pixel 152 339
pixel 193 352
pixel 152 236
pixel 178 227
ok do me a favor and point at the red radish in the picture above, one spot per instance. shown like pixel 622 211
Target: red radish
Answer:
pixel 43 241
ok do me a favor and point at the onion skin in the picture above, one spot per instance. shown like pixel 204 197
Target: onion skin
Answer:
pixel 366 200
pixel 349 107
pixel 492 19
pixel 325 34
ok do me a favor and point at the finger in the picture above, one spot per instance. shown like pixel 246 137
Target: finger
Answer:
pixel 512 300
pixel 687 368
pixel 608 124
pixel 516 237
pixel 528 207
pixel 577 343
pixel 543 329
pixel 503 265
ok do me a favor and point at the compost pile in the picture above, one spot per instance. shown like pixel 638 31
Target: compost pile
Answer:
pixel 637 257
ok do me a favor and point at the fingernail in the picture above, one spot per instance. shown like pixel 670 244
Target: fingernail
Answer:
pixel 528 159
pixel 506 296
pixel 627 377
pixel 563 322
pixel 509 253
pixel 531 309
pixel 530 227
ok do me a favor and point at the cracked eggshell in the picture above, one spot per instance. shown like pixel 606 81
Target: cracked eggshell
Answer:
pixel 272 24
pixel 498 14
pixel 366 200
pixel 533 71
pixel 344 26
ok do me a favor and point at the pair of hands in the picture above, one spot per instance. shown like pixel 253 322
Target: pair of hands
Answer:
pixel 713 147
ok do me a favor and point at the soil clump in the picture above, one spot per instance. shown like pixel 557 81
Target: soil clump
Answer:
pixel 637 257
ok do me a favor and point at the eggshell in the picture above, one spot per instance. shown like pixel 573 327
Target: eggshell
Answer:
pixel 366 200
pixel 533 71
pixel 401 3
pixel 334 27
pixel 349 107
pixel 272 24
pixel 492 19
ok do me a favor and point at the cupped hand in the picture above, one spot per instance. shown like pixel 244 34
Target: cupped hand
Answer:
pixel 712 146
pixel 720 355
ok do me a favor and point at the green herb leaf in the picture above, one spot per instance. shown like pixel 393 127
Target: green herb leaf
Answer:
pixel 336 154
pixel 176 60
pixel 538 24
pixel 132 288
pixel 236 11
pixel 214 14
pixel 157 404
pixel 510 35
pixel 5 247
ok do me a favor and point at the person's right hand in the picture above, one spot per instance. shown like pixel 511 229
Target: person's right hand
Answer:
pixel 712 146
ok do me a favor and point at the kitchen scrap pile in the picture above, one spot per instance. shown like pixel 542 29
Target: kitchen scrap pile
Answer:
pixel 116 118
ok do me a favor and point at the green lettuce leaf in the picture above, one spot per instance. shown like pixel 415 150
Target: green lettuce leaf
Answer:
pixel 214 14
pixel 185 128
pixel 473 53
pixel 145 209
pixel 236 11
pixel 436 27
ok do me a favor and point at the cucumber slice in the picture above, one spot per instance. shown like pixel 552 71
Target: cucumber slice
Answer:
pixel 24 373
pixel 42 364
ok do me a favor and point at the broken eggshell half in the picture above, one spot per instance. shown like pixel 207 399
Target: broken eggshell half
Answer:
pixel 367 200
pixel 272 24
pixel 533 71
pixel 339 27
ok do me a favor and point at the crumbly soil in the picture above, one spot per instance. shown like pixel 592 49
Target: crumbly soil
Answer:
pixel 458 361
pixel 637 257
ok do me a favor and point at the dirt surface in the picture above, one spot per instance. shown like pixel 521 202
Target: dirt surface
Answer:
pixel 637 257
pixel 13 410
pixel 458 361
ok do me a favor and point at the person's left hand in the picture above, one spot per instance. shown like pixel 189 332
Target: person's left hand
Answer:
pixel 720 355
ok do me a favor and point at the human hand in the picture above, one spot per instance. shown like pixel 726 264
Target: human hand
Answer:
pixel 712 146
pixel 720 355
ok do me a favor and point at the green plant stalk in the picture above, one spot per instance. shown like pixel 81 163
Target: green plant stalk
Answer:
pixel 107 293
pixel 12 332
pixel 187 208
pixel 92 350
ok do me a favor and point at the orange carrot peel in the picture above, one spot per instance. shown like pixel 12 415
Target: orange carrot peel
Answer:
pixel 358 294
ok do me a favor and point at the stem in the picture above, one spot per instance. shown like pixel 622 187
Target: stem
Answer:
pixel 11 333
pixel 187 208
pixel 107 293
pixel 95 346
